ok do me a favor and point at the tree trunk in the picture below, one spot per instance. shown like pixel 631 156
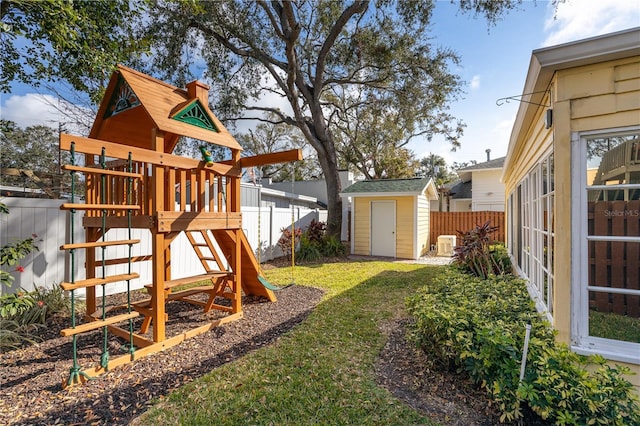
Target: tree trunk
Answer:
pixel 334 201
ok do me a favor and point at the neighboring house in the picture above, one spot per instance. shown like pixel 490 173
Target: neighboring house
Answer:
pixel 390 217
pixel 252 195
pixel 572 177
pixel 479 189
pixel 318 189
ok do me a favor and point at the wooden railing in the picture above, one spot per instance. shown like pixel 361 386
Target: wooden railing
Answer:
pixel 186 185
pixel 449 223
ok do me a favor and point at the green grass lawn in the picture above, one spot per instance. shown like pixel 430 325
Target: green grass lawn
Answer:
pixel 322 372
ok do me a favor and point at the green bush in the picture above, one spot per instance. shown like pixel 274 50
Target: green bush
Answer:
pixel 308 250
pixel 15 305
pixel 21 314
pixel 333 247
pixel 478 326
pixel 316 244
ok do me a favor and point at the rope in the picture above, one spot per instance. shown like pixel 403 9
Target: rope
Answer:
pixel 293 227
pixel 129 190
pixel 104 358
pixel 76 371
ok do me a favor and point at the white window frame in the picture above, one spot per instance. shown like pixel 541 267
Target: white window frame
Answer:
pixel 531 232
pixel 581 341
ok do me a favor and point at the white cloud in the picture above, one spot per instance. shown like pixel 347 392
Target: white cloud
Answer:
pixel 33 109
pixel 578 19
pixel 475 82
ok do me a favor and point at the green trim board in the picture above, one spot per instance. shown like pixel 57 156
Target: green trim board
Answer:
pixel 196 115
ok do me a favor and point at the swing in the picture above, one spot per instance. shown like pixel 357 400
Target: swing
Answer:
pixel 261 278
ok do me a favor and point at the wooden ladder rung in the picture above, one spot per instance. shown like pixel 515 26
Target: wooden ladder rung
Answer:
pixel 94 325
pixel 125 260
pixel 190 280
pixel 98 244
pixel 78 206
pixel 208 258
pixel 92 282
pixel 96 171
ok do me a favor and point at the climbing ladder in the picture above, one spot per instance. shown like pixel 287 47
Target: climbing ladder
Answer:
pixel 98 319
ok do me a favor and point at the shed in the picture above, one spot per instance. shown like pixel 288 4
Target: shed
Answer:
pixel 572 181
pixel 390 217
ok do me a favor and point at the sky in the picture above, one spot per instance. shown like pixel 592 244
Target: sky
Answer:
pixel 494 64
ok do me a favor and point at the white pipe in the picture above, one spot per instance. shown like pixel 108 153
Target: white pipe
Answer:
pixel 523 363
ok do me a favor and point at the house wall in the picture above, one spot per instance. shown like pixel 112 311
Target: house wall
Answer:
pixel 463 205
pixel 423 224
pixel 599 96
pixel 404 225
pixel 488 191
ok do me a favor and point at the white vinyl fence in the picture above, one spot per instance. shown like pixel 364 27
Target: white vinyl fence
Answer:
pixel 49 265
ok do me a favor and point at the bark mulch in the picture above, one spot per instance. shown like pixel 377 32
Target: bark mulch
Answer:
pixel 31 378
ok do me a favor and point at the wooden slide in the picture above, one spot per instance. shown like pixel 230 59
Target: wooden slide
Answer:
pixel 251 284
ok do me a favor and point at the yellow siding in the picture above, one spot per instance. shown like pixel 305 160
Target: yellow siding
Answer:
pixel 362 226
pixel 423 226
pixel 404 225
pixel 599 96
pixel 538 140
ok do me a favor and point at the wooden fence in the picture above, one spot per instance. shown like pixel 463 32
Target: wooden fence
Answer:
pixel 449 223
pixel 614 264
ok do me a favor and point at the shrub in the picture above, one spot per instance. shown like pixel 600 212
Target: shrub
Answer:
pixel 285 240
pixel 21 314
pixel 11 253
pixel 333 247
pixel 314 243
pixel 316 231
pixel 16 304
pixel 478 326
pixel 478 255
pixel 308 250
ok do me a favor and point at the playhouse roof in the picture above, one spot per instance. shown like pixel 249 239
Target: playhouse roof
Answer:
pixel 392 187
pixel 135 104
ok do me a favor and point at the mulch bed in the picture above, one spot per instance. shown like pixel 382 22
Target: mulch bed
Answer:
pixel 31 378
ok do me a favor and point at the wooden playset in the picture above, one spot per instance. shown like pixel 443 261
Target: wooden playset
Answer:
pixel 134 182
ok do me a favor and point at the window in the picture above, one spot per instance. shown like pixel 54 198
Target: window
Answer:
pixel 532 232
pixel 606 241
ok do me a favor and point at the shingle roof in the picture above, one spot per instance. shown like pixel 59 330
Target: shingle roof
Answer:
pixel 461 190
pixel 408 186
pixel 491 164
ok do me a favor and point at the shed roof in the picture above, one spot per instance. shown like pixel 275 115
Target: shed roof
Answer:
pixel 392 187
pixel 135 104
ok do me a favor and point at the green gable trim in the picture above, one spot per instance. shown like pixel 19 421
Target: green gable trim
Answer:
pixel 122 98
pixel 196 115
pixel 409 186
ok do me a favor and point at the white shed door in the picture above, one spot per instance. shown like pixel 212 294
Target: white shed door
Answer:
pixel 383 228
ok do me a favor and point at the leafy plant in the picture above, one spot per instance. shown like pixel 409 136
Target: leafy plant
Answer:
pixel 14 335
pixel 12 253
pixel 333 247
pixel 15 304
pixel 284 242
pixel 478 255
pixel 309 250
pixel 477 326
pixel 316 231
